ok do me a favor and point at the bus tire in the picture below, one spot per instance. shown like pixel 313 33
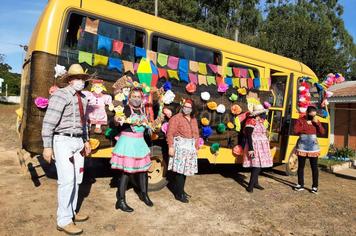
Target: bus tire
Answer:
pixel 292 165
pixel 157 174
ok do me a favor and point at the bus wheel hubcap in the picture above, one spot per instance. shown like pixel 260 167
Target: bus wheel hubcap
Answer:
pixel 293 163
pixel 156 171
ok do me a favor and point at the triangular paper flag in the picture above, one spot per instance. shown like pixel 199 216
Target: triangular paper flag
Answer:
pixel 173 62
pixel 236 72
pixel 100 60
pixel 256 83
pixel 162 73
pixel 243 73
pixel 236 82
pixel 202 80
pixel 202 68
pixel 152 56
pixel 228 80
pixel 91 26
pixel 162 59
pixel 219 80
pixel 228 71
pixel 243 83
pixel 220 70
pixel 117 46
pixel 213 68
pixel 128 66
pixel 115 63
pixel 183 76
pixel 104 43
pixel 250 83
pixel 193 78
pixel 183 66
pixel 85 57
pixel 140 52
pixel 251 74
pixel 211 80
pixel 173 74
pixel 193 66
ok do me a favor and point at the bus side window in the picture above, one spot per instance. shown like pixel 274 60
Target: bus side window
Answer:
pixel 278 85
pixel 275 120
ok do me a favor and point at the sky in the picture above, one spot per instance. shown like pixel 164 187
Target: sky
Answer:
pixel 19 18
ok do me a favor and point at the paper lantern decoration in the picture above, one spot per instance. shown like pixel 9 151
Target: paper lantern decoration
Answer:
pixel 207 131
pixel 168 97
pixel 222 88
pixel 233 97
pixel 237 124
pixel 221 128
pixel 221 109
pixel 200 142
pixel 212 106
pixel 230 125
pixel 238 150
pixel 94 143
pixel 191 88
pixel 41 102
pixel 205 96
pixel 205 121
pixel 144 71
pixel 214 148
pixel 236 109
pixel 164 127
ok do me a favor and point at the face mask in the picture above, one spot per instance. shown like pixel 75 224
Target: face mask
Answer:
pixel 187 110
pixel 78 85
pixel 135 102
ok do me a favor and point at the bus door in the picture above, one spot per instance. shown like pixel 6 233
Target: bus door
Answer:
pixel 280 114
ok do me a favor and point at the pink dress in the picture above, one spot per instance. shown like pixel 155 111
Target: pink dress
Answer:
pixel 261 148
pixel 96 107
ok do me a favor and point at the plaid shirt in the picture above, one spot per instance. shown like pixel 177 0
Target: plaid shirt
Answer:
pixel 59 115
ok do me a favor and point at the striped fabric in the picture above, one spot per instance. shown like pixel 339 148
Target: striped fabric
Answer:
pixel 59 115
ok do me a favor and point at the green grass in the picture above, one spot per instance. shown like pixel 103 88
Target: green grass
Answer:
pixel 327 162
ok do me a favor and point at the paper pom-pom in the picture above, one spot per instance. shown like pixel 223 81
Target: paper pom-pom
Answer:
pixel 207 131
pixel 164 127
pixel 60 71
pixel 222 88
pixel 233 97
pixel 242 91
pixel 168 97
pixel 205 96
pixel 167 86
pixel 94 143
pixel 205 121
pixel 191 88
pixel 212 105
pixel 214 148
pixel 53 89
pixel 266 105
pixel 230 125
pixel 41 102
pixel 235 109
pixel 221 109
pixel 200 142
pixel 221 128
pixel 238 150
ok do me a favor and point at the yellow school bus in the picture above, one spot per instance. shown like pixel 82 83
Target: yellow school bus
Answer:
pixel 61 33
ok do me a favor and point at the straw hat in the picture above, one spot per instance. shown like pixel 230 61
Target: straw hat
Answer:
pixel 75 71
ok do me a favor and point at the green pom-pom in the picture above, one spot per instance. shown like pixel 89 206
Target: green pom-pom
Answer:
pixel 214 148
pixel 221 128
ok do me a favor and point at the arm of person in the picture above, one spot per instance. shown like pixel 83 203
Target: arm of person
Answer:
pixel 318 125
pixel 298 127
pixel 172 129
pixel 196 133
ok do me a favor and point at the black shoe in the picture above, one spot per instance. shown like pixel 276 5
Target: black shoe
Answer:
pixel 259 187
pixel 144 197
pixel 186 195
pixel 121 204
pixel 181 198
pixel 249 189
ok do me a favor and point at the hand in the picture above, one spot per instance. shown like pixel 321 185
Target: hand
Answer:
pixel 87 148
pixel 315 119
pixel 48 155
pixel 251 154
pixel 309 122
pixel 171 152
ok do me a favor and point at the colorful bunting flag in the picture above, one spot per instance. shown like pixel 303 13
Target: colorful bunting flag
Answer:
pixel 162 59
pixel 135 65
pixel 193 78
pixel 219 80
pixel 162 73
pixel 173 62
pixel 236 72
pixel 256 83
pixel 193 66
pixel 220 70
pixel 183 65
pixel 104 43
pixel 228 71
pixel 115 63
pixel 213 68
pixel 251 74
pixel 140 52
pixel 154 74
pixel 228 80
pixel 152 56
pixel 243 73
pixel 85 57
pixel 202 80
pixel 211 80
pixel 173 74
pixel 100 60
pixel 235 83
pixel 183 76
pixel 128 66
pixel 91 26
pixel 202 68
pixel 243 82
pixel 249 83
pixel 117 46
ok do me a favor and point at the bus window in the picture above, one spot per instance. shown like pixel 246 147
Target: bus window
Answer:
pixel 78 39
pixel 255 71
pixel 275 120
pixel 278 85
pixel 186 51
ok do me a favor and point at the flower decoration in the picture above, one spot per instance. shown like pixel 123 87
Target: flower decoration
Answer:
pixel 168 97
pixel 59 70
pixel 41 102
pixel 214 148
pixel 191 88
pixel 212 106
pixel 207 131
pixel 230 125
pixel 204 121
pixel 205 96
pixel 233 97
pixel 221 128
pixel 221 109
pixel 236 109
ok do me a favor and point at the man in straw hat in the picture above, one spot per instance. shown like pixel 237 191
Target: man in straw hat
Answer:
pixel 65 140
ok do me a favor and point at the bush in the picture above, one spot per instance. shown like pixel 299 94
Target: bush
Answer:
pixel 341 154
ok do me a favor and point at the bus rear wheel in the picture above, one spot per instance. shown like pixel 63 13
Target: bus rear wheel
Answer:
pixel 157 174
pixel 292 165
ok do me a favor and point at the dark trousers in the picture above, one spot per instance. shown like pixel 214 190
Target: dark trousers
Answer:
pixel 255 171
pixel 314 167
pixel 179 183
pixel 124 180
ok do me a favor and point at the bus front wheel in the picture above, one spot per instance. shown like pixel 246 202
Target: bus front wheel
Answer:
pixel 157 174
pixel 292 165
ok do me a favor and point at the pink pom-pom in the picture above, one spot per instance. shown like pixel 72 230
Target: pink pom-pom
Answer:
pixel 41 102
pixel 266 105
pixel 164 127
pixel 201 142
pixel 222 88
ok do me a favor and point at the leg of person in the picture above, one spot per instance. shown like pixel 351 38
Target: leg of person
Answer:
pixel 143 182
pixel 257 185
pixel 301 165
pixel 315 173
pixel 63 151
pixel 253 179
pixel 179 188
pixel 184 193
pixel 121 202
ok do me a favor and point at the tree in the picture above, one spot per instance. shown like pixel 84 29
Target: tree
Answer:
pixel 13 80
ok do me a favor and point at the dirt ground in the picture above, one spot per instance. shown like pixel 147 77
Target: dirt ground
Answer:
pixel 219 204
